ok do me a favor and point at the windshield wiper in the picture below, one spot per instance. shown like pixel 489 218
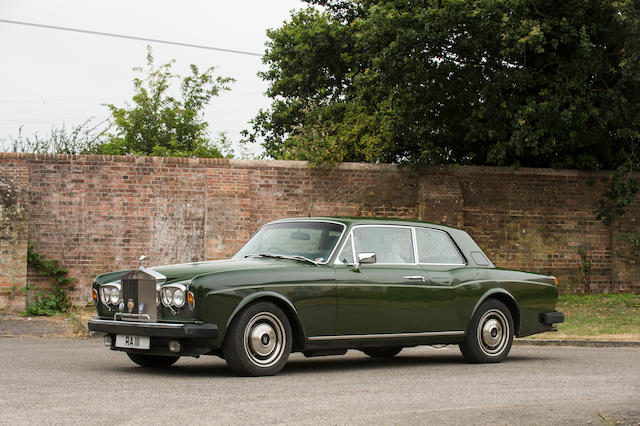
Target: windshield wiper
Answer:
pixel 282 256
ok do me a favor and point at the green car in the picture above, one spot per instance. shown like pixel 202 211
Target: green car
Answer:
pixel 321 286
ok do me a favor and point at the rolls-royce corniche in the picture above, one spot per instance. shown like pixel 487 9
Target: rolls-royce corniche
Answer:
pixel 322 286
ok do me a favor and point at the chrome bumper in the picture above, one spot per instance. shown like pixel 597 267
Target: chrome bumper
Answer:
pixel 154 329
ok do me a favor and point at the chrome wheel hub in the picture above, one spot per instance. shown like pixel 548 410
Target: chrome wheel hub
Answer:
pixel 493 332
pixel 264 339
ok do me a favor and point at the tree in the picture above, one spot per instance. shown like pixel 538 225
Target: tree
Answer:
pixel 160 124
pixel 156 124
pixel 80 139
pixel 535 83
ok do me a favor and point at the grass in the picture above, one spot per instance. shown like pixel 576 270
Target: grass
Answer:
pixel 598 317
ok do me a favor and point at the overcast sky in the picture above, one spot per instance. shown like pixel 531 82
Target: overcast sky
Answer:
pixel 50 77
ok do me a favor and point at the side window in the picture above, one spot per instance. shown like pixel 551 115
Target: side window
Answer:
pixel 436 247
pixel 390 244
pixel 346 254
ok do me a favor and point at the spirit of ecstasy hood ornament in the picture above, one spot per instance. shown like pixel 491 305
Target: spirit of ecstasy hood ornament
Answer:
pixel 142 259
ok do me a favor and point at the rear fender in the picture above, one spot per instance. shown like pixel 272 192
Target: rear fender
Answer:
pixel 505 297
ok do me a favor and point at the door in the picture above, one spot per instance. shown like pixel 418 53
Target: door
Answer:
pixel 444 268
pixel 385 297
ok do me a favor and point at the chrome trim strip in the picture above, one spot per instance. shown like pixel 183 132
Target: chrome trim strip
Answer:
pixel 160 278
pixel 414 242
pixel 125 316
pixel 415 278
pixel 444 264
pixel 386 336
pixel 138 324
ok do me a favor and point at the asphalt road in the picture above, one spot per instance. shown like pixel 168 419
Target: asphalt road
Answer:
pixel 65 381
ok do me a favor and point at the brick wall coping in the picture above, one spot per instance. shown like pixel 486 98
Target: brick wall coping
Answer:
pixel 288 164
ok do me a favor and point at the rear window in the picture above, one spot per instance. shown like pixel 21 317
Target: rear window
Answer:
pixel 436 247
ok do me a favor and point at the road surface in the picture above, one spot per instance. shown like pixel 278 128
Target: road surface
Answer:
pixel 67 381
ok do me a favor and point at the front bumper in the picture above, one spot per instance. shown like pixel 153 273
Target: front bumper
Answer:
pixel 155 329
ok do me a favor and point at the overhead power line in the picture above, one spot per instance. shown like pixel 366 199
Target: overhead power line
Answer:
pixel 153 40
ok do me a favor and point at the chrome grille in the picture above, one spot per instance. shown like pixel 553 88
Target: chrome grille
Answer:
pixel 140 295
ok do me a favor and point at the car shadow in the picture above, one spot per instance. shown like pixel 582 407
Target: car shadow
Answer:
pixel 207 367
pixel 325 364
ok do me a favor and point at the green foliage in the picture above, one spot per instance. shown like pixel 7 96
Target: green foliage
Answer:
pixel 586 266
pixel 631 252
pixel 618 197
pixel 80 139
pixel 598 315
pixel 541 84
pixel 49 301
pixel 616 200
pixel 158 123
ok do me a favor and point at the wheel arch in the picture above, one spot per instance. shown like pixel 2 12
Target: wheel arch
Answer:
pixel 283 303
pixel 509 301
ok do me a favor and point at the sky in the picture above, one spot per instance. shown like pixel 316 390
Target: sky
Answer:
pixel 50 77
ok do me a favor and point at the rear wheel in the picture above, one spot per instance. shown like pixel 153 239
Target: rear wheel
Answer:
pixel 389 352
pixel 152 361
pixel 490 334
pixel 258 342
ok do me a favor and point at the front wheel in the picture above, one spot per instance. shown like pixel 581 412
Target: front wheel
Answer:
pixel 258 342
pixel 152 361
pixel 490 333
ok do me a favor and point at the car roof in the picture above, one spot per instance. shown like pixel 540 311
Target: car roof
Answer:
pixel 360 220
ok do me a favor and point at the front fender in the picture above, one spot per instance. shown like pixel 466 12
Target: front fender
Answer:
pixel 268 295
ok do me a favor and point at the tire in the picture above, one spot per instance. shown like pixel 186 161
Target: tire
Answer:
pixel 490 334
pixel 152 361
pixel 389 352
pixel 258 342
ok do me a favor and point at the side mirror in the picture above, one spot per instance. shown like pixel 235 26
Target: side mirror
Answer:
pixel 365 258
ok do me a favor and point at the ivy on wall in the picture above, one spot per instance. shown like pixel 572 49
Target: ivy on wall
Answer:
pixel 48 302
pixel 616 201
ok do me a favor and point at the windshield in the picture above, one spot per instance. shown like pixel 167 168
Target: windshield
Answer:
pixel 312 240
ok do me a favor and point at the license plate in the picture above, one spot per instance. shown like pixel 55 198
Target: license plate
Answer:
pixel 134 342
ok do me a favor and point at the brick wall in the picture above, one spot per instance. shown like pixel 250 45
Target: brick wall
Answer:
pixel 14 181
pixel 99 213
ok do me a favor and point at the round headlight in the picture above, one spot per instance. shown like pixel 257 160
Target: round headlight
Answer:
pixel 105 292
pixel 114 298
pixel 167 296
pixel 178 298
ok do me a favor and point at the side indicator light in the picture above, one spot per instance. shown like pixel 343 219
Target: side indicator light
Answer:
pixel 556 280
pixel 94 294
pixel 191 300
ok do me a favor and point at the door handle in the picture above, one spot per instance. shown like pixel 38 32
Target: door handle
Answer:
pixel 415 278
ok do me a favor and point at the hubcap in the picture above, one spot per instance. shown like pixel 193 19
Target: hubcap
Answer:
pixel 493 332
pixel 264 339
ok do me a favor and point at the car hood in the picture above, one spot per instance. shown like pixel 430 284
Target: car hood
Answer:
pixel 187 271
